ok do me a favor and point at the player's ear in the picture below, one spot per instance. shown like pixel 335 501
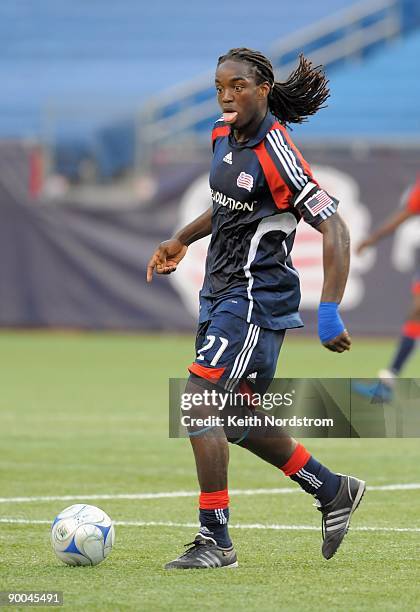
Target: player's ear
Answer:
pixel 263 90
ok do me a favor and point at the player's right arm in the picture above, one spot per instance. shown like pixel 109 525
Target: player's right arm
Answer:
pixel 170 252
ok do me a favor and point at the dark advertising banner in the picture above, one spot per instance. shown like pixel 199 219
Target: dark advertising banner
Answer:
pixel 72 266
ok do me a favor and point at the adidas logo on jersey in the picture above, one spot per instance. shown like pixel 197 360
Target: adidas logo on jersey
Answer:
pixel 252 377
pixel 228 158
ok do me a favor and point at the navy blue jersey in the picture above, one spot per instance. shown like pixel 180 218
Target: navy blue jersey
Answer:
pixel 260 190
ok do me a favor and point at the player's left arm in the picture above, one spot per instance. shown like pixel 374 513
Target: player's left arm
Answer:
pixel 291 182
pixel 336 262
pixel 319 209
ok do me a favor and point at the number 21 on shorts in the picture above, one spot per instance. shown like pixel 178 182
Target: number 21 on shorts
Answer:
pixel 211 340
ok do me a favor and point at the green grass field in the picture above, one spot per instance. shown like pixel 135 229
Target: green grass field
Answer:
pixel 87 415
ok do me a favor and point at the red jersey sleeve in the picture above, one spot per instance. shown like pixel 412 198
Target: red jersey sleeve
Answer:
pixel 413 199
pixel 220 130
pixel 290 178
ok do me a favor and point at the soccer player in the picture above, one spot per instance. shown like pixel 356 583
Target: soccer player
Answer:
pixel 411 328
pixel 261 187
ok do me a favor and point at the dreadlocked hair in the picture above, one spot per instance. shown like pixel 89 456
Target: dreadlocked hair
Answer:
pixel 294 100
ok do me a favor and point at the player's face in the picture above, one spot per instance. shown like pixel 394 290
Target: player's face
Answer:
pixel 240 98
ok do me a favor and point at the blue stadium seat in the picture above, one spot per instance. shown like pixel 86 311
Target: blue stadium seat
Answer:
pixel 106 58
pixel 377 98
pixel 117 54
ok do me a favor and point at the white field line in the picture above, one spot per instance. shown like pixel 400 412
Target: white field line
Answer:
pixel 178 494
pixel 240 526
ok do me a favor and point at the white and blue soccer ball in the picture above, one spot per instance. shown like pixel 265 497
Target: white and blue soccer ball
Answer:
pixel 82 535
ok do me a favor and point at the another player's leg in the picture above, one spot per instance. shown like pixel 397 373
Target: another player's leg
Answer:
pixel 383 390
pixel 410 335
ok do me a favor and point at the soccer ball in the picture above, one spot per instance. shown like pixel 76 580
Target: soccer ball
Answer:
pixel 82 535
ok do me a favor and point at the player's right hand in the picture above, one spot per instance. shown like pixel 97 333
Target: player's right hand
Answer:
pixel 166 258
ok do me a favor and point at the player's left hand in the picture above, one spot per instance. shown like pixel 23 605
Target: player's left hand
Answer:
pixel 331 330
pixel 340 343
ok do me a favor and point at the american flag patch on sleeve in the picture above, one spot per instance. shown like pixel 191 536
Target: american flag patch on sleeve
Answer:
pixel 318 202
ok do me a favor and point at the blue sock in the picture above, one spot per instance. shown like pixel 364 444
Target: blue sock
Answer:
pixel 214 523
pixel 316 479
pixel 404 351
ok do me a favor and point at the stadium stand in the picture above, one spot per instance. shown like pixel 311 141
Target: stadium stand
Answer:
pixel 67 55
pixel 350 36
pixel 89 76
pixel 377 98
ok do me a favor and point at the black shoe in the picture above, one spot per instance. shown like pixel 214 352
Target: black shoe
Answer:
pixel 337 513
pixel 204 554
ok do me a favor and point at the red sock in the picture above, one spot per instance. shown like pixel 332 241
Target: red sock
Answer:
pixel 411 329
pixel 213 500
pixel 296 461
pixel 214 517
pixel 311 475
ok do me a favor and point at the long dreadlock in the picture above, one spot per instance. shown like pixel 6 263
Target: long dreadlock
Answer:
pixel 294 100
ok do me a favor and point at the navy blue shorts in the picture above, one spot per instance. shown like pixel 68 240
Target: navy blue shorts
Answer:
pixel 230 351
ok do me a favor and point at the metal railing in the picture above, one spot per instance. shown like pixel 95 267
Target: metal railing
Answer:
pixel 347 34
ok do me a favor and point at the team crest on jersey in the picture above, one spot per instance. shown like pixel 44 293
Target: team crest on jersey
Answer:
pixel 245 180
